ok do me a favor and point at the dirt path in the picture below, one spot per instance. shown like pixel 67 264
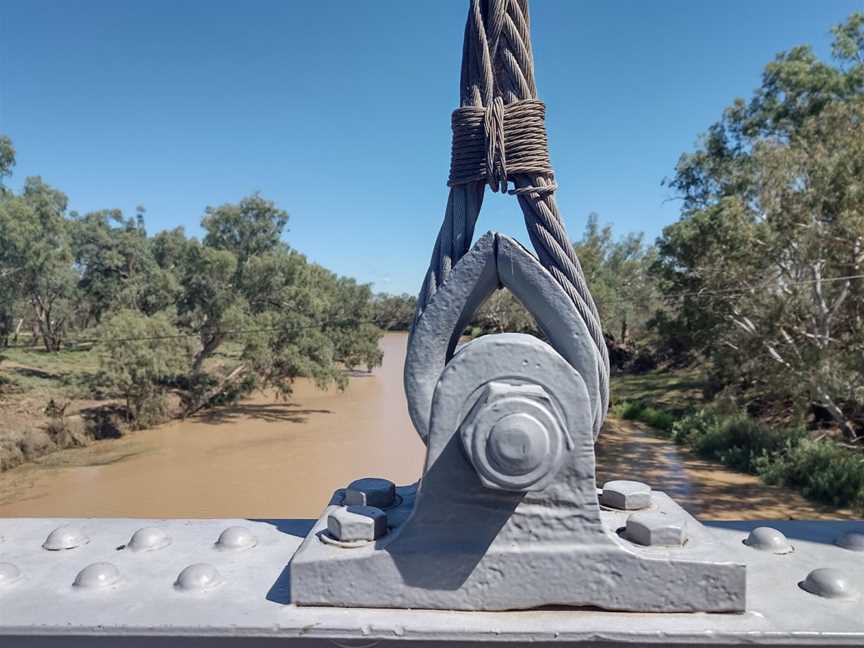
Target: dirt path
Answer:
pixel 265 458
pixel 628 450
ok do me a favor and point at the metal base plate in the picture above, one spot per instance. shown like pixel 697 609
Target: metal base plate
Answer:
pixel 436 575
pixel 251 606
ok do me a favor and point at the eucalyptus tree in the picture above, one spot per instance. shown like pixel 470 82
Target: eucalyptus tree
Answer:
pixel 618 271
pixel 7 161
pixel 285 317
pixel 348 319
pixel 117 267
pixel 36 259
pixel 8 290
pixel 764 266
pixel 140 355
pixel 394 312
pixel 249 228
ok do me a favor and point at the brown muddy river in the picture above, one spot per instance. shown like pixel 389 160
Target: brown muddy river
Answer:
pixel 267 458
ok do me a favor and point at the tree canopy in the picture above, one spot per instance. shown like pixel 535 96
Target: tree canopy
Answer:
pixel 163 307
pixel 763 270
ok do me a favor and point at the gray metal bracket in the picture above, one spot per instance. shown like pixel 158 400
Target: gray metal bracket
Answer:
pixel 506 515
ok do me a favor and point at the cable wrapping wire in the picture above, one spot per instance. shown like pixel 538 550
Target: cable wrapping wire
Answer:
pixel 498 79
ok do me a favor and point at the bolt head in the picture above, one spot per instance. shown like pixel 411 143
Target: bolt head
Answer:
pixel 65 537
pixel 829 583
pixel 656 529
pixel 357 523
pixel 851 540
pixel 236 538
pixel 768 539
pixel 514 436
pixel 370 491
pixel 517 444
pixel 626 495
pixel 200 577
pixel 149 539
pixel 9 574
pixel 98 576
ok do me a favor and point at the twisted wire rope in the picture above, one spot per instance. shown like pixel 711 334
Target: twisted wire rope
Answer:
pixel 497 80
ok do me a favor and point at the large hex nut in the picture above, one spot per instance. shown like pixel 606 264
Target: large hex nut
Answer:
pixel 626 495
pixel 656 529
pixel 370 491
pixel 357 523
pixel 514 436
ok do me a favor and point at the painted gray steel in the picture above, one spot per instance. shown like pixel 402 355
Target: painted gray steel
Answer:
pixel 252 606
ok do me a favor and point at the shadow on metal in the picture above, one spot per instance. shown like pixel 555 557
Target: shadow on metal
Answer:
pixel 299 528
pixel 473 534
pixel 280 591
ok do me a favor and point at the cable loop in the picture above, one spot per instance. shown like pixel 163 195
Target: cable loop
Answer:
pixel 499 136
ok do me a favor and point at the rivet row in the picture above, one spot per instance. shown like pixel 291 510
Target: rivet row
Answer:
pixel 66 537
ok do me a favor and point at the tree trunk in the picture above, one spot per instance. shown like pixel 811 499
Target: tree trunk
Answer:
pixel 207 348
pixel 52 339
pixel 837 415
pixel 229 380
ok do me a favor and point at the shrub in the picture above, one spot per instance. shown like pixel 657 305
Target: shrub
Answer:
pixel 639 411
pixel 735 439
pixel 821 469
pixel 140 354
pixel 7 383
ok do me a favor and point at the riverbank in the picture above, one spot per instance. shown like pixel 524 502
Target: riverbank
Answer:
pixel 36 386
pixel 260 458
pixel 815 462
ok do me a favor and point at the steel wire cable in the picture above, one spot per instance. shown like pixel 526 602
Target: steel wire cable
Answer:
pixel 498 68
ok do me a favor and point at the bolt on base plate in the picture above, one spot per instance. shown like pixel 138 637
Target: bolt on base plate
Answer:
pixel 437 586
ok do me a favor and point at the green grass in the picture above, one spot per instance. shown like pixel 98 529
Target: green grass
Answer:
pixel 70 359
pixel 638 411
pixel 735 439
pixel 73 371
pixel 69 370
pixel 675 391
pixel 657 398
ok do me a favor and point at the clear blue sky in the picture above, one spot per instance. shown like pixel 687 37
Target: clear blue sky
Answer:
pixel 339 111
